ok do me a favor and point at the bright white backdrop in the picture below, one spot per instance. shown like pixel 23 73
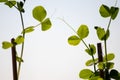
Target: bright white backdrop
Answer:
pixel 48 56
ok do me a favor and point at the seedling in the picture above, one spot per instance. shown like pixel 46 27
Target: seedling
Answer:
pixel 103 65
pixel 39 13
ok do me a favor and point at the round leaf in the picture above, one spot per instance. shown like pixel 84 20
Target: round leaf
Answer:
pixel 74 40
pixel 39 13
pixel 6 45
pixel 91 62
pixel 46 24
pixel 110 57
pixel 19 39
pixel 83 31
pixel 104 11
pixel 85 73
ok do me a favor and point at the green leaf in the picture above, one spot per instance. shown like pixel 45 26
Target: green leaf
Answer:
pixel 6 45
pixel 19 39
pixel 46 24
pixel 3 0
pixel 10 3
pixel 92 49
pixel 91 62
pixel 83 31
pixel 114 74
pixel 109 56
pixel 100 33
pixel 101 65
pixel 114 12
pixel 110 65
pixel 85 74
pixel 39 13
pixel 19 59
pixel 29 29
pixel 104 11
pixel 20 6
pixel 74 40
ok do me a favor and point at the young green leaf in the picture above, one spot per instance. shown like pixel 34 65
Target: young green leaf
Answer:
pixel 19 59
pixel 39 13
pixel 85 73
pixel 100 33
pixel 114 12
pixel 104 11
pixel 19 39
pixel 74 40
pixel 83 31
pixel 110 65
pixel 110 57
pixel 10 3
pixel 3 0
pixel 92 49
pixel 101 65
pixel 46 24
pixel 91 62
pixel 6 45
pixel 29 29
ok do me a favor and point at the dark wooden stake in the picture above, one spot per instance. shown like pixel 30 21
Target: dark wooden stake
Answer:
pixel 100 58
pixel 14 63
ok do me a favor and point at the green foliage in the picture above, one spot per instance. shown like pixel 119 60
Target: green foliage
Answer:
pixel 6 45
pixel 91 62
pixel 102 34
pixel 101 63
pixel 104 11
pixel 39 13
pixel 83 31
pixel 110 56
pixel 10 3
pixel 46 24
pixel 19 59
pixel 91 50
pixel 74 40
pixel 19 39
pixel 3 0
pixel 28 29
pixel 85 73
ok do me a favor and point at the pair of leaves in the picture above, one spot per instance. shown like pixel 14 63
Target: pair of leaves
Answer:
pixel 101 33
pixel 91 50
pixel 82 33
pixel 110 56
pixel 39 13
pixel 102 65
pixel 18 40
pixel 105 11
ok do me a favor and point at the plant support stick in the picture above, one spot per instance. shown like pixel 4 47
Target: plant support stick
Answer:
pixel 14 63
pixel 100 58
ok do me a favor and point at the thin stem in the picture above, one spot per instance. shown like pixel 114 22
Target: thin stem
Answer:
pixel 94 63
pixel 22 49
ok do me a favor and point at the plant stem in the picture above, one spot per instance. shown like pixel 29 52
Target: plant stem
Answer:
pixel 22 49
pixel 94 63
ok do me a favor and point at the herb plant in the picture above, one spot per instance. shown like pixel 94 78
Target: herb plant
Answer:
pixel 39 13
pixel 103 65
